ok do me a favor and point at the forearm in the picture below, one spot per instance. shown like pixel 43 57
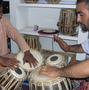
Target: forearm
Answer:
pixel 79 70
pixel 16 36
pixel 76 48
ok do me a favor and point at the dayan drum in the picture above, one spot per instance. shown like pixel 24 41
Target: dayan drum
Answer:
pixel 67 22
pixel 12 79
pixel 37 55
pixel 42 82
pixel 56 60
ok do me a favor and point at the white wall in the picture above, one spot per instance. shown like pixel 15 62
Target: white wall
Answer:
pixel 48 43
pixel 43 17
pixel 7 16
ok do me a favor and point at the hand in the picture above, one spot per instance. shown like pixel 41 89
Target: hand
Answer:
pixel 63 44
pixel 8 62
pixel 50 71
pixel 29 57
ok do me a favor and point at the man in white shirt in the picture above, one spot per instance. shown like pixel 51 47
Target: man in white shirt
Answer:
pixel 80 69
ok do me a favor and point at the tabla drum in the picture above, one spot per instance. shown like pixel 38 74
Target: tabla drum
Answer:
pixel 42 82
pixel 12 79
pixel 37 55
pixel 56 60
pixel 33 42
pixel 67 22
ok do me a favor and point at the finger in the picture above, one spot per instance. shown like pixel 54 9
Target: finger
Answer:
pixel 57 38
pixel 24 60
pixel 30 64
pixel 43 72
pixel 12 67
pixel 16 61
pixel 34 64
pixel 45 68
pixel 41 69
pixel 36 61
pixel 15 64
pixel 40 72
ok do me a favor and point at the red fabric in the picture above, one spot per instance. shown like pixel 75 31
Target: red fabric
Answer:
pixel 84 86
pixel 41 32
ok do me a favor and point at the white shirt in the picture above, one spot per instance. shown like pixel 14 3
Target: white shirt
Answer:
pixel 85 46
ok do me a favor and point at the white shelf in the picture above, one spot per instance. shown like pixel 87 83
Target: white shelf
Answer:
pixel 30 31
pixel 47 5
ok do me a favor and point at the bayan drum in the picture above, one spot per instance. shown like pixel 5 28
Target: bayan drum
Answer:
pixel 56 60
pixel 12 79
pixel 67 24
pixel 37 55
pixel 42 82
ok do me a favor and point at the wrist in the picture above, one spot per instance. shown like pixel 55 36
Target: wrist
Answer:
pixel 27 52
pixel 61 72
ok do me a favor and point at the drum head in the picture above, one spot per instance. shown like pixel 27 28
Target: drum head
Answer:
pixel 19 73
pixel 40 78
pixel 37 55
pixel 54 59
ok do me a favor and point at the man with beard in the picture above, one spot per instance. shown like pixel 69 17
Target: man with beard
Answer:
pixel 80 69
pixel 7 59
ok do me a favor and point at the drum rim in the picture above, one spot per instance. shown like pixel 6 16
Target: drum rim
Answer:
pixel 21 77
pixel 55 62
pixel 28 68
pixel 51 81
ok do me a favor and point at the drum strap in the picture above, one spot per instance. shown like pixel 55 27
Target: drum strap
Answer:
pixel 43 86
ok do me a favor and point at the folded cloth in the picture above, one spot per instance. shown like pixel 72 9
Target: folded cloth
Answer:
pixel 75 84
pixel 83 86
